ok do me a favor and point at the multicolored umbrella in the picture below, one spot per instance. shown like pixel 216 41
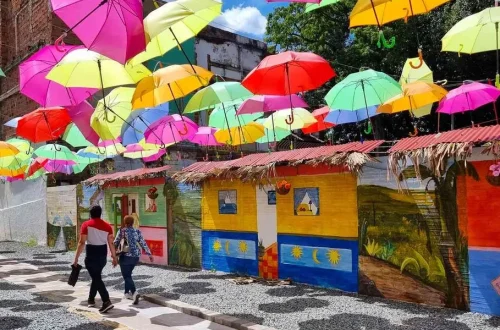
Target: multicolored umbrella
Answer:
pixel 13 122
pixel 81 115
pixel 60 166
pixel 240 135
pixel 171 129
pixel 139 121
pixel 47 93
pixel 411 74
pixel 321 125
pixel 220 93
pixel 270 103
pixel 43 125
pixel 7 150
pixel 273 134
pixel 113 28
pixel 106 149
pixel 280 119
pixel 55 152
pixel 175 22
pixel 74 137
pixel 313 6
pixel 226 117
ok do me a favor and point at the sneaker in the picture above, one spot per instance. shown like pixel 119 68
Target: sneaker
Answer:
pixel 90 303
pixel 106 307
pixel 128 296
pixel 135 298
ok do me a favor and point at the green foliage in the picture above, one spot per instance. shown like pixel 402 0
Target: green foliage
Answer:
pixel 362 235
pixel 423 269
pixel 184 252
pixel 372 248
pixel 410 261
pixel 32 242
pixel 387 251
pixel 170 191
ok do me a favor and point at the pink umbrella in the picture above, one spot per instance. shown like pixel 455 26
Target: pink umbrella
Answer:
pixel 205 137
pixel 268 103
pixel 80 115
pixel 171 129
pixel 47 93
pixel 113 28
pixel 468 97
pixel 321 125
pixel 155 157
pixel 58 166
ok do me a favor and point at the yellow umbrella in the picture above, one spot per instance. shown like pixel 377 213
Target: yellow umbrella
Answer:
pixel 415 95
pixel 235 136
pixel 170 83
pixel 111 112
pixel 108 150
pixel 410 75
pixel 85 68
pixel 7 149
pixel 173 23
pixel 279 119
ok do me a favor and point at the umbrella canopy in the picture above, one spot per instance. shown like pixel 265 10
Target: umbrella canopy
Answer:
pixel 111 113
pixel 272 134
pixel 320 115
pixel 468 97
pixel 313 6
pixel 92 157
pixel 414 96
pixel 170 83
pixel 225 117
pixel 339 117
pixel 113 28
pixel 55 152
pixel 288 73
pixel 279 119
pixel 106 149
pixel 138 122
pixel 85 68
pixel 240 135
pixel 13 122
pixel 22 145
pixel 175 22
pixel 205 136
pixel 381 12
pixel 7 150
pixel 137 151
pixel 43 124
pixel 171 129
pixel 35 169
pixel 74 137
pixel 226 93
pixel 362 90
pixel 47 93
pixel 411 74
pixel 81 115
pixel 269 103
pixel 60 166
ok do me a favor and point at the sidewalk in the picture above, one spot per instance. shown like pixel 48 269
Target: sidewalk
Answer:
pixel 124 315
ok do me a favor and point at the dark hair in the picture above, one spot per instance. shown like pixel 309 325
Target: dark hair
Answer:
pixel 128 221
pixel 95 212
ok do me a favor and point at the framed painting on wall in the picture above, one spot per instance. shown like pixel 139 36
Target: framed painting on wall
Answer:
pixel 271 197
pixel 228 202
pixel 150 206
pixel 306 201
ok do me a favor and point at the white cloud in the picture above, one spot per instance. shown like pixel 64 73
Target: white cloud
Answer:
pixel 243 19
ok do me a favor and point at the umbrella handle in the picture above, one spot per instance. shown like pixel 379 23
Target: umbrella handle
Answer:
pixel 369 128
pixel 179 155
pixel 205 159
pixel 163 146
pixel 59 43
pixel 99 150
pixel 56 147
pixel 155 3
pixel 415 132
pixel 420 58
pixel 383 42
pixel 107 118
pixel 185 131
pixel 290 119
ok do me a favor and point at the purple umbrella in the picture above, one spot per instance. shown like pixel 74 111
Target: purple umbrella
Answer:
pixel 47 93
pixel 59 166
pixel 205 137
pixel 269 103
pixel 171 129
pixel 113 28
pixel 80 115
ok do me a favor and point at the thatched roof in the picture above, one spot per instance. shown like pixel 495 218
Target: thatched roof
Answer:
pixel 142 173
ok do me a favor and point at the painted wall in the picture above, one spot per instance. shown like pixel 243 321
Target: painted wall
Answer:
pixel 62 217
pixel 268 232
pixel 23 207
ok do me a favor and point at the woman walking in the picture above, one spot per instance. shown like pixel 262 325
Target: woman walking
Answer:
pixel 130 258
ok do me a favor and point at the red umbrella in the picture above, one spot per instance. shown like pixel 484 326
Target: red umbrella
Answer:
pixel 289 73
pixel 43 124
pixel 320 115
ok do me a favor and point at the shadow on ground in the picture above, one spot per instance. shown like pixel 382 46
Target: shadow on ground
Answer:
pixel 15 322
pixel 193 288
pixel 293 305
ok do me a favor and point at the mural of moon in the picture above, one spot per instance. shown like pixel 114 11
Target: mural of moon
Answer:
pixel 315 256
pixel 227 247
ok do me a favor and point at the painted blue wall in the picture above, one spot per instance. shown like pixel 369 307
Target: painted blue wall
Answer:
pixel 313 265
pixel 221 251
pixel 484 267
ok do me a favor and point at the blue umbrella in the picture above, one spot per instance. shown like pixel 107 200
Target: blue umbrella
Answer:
pixel 84 154
pixel 12 122
pixel 339 117
pixel 139 121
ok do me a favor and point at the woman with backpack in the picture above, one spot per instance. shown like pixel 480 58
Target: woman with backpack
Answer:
pixel 129 242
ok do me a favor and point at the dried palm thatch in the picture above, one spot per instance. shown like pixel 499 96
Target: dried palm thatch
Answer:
pixel 492 148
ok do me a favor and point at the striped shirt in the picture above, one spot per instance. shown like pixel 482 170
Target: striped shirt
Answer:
pixel 97 231
pixel 135 241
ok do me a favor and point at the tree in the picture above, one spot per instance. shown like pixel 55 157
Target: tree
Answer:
pixel 326 32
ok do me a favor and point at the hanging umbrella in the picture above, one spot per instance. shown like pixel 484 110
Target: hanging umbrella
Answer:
pixel 85 68
pixel 175 22
pixel 469 97
pixel 60 166
pixel 91 156
pixel 7 150
pixel 272 134
pixel 220 93
pixel 168 130
pixel 240 135
pixel 141 150
pixel 169 84
pixel 415 95
pixel 106 149
pixel 81 115
pixel 321 125
pixel 13 171
pixel 226 117
pixel 34 168
pixel 205 136
pixel 55 152
pixel 339 117
pixel 279 119
pixel 411 74
pixel 113 28
pixel 313 6
pixel 43 124
pixel 111 113
pixel 270 103
pixel 22 145
pixel 19 159
pixel 139 120
pixel 155 157
pixel 13 122
pixel 47 93
pixel 74 137
pixel 475 34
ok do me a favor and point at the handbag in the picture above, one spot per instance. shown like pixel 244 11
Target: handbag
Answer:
pixel 123 246
pixel 75 272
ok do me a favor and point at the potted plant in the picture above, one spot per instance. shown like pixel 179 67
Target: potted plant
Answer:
pixel 283 187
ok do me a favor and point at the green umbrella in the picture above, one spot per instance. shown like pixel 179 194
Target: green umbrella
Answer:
pixel 220 93
pixel 55 152
pixel 74 137
pixel 271 133
pixel 2 74
pixel 225 117
pixel 313 6
pixel 19 159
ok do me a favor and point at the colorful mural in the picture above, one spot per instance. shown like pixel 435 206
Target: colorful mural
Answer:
pixel 267 232
pixel 306 201
pixel 228 202
pixel 61 217
pixel 411 245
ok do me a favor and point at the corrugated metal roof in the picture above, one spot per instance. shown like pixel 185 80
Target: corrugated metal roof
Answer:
pixel 141 172
pixel 263 159
pixel 475 135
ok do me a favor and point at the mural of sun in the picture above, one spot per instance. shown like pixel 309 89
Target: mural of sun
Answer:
pixel 243 247
pixel 333 257
pixel 217 246
pixel 297 252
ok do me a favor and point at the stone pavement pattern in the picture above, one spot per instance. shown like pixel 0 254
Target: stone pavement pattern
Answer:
pixel 145 315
